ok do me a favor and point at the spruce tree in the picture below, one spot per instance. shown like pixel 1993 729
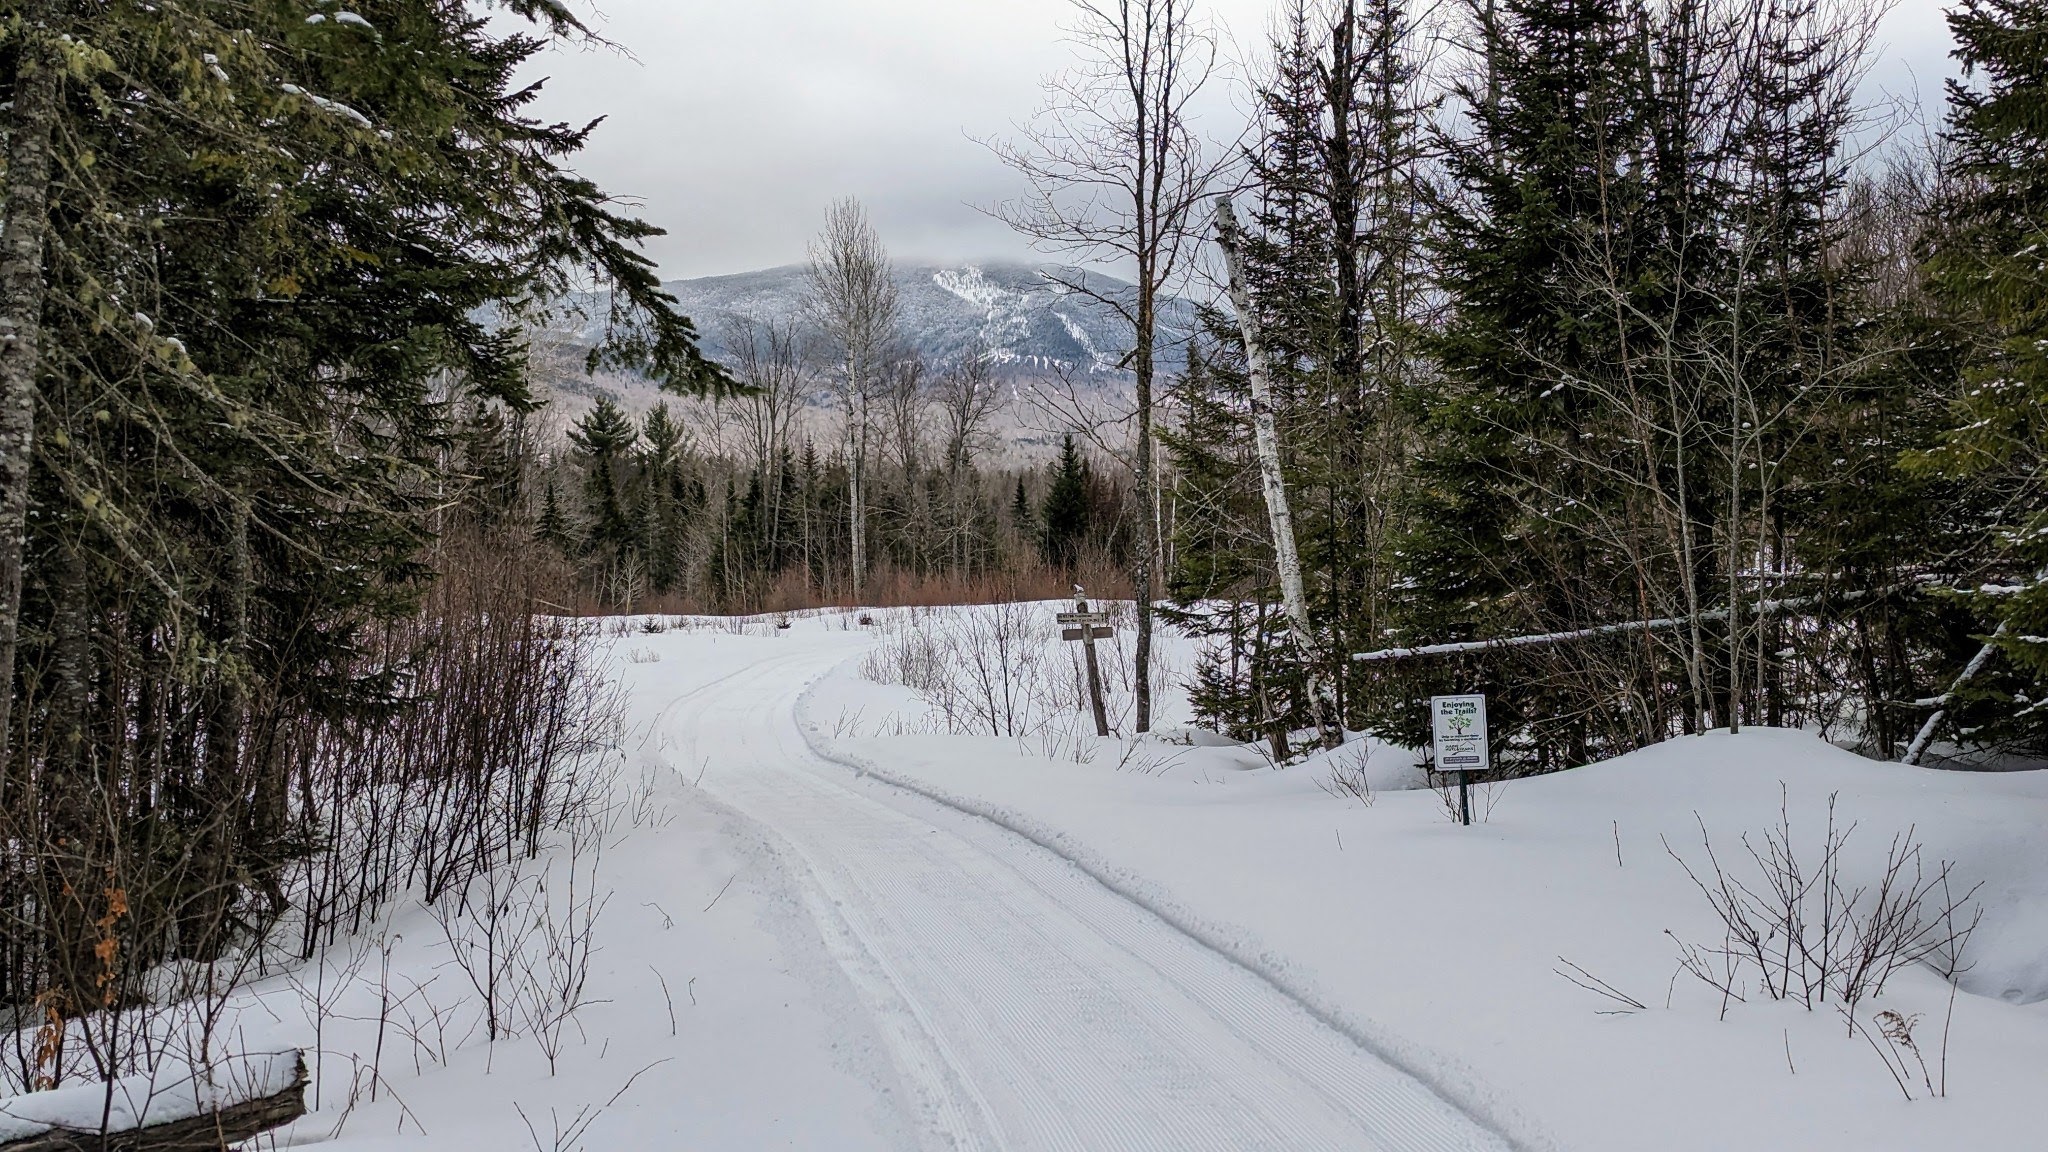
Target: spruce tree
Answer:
pixel 604 435
pixel 1068 508
pixel 1021 516
pixel 664 490
pixel 553 527
pixel 1540 252
pixel 1990 274
pixel 490 465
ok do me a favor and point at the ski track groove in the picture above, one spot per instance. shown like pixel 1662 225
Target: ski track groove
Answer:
pixel 1029 1006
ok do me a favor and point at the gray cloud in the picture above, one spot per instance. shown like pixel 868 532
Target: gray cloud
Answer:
pixel 734 123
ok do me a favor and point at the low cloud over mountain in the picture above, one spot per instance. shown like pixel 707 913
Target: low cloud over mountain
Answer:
pixel 1022 316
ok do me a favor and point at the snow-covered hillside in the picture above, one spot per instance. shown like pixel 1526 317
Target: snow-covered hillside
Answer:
pixel 1476 957
pixel 1018 313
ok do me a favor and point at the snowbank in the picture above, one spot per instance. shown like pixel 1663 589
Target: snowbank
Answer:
pixel 174 1092
pixel 1449 949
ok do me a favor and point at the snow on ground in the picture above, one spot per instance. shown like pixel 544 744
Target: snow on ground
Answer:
pixel 714 1018
pixel 1442 946
pixel 710 993
pixel 903 944
pixel 1030 1007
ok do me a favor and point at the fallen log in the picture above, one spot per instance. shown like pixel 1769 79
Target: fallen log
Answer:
pixel 208 1131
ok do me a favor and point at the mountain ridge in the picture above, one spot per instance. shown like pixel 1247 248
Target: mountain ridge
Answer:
pixel 1019 315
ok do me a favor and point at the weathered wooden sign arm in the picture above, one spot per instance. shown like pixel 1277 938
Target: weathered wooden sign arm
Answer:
pixel 1088 627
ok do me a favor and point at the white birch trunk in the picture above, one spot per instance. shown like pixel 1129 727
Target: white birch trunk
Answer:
pixel 856 476
pixel 1266 437
pixel 1925 736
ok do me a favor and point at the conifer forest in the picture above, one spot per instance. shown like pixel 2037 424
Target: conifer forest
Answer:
pixel 1619 359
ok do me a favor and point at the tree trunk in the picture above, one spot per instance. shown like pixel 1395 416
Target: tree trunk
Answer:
pixel 1926 734
pixel 213 1130
pixel 75 883
pixel 1266 436
pixel 1141 575
pixel 856 468
pixel 22 287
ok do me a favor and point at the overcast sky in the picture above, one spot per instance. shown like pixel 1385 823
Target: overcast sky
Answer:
pixel 734 122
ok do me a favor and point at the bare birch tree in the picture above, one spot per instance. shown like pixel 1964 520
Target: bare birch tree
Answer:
pixel 768 356
pixel 1266 440
pixel 1117 173
pixel 852 300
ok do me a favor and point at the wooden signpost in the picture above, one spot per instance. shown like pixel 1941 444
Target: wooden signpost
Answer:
pixel 1458 730
pixel 1088 627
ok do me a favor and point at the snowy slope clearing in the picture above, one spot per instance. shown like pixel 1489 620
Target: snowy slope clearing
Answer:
pixel 828 924
pixel 1448 949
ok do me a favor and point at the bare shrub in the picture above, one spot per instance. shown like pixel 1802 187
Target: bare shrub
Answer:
pixel 998 664
pixel 983 670
pixel 1146 756
pixel 1797 929
pixel 913 657
pixel 1579 977
pixel 506 732
pixel 566 1135
pixel 1348 779
pixel 554 963
pixel 486 929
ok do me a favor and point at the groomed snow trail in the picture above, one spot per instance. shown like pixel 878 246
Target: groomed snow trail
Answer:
pixel 1028 1007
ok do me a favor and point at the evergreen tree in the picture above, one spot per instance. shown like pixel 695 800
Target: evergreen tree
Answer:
pixel 553 527
pixel 1331 263
pixel 1021 516
pixel 1068 509
pixel 251 267
pixel 491 465
pixel 1219 549
pixel 1541 254
pixel 1990 274
pixel 604 435
pixel 664 493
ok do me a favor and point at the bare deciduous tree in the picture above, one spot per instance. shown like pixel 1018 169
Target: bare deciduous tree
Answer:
pixel 906 396
pixel 967 396
pixel 852 300
pixel 768 356
pixel 1117 172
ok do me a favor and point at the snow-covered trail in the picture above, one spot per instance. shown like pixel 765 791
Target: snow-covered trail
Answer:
pixel 1027 1006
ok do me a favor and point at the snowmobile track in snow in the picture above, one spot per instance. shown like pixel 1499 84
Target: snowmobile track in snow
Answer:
pixel 1026 1005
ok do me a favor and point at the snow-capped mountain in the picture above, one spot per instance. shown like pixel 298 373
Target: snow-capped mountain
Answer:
pixel 1025 317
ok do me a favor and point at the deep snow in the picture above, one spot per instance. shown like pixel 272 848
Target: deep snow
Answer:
pixel 810 1010
pixel 1441 945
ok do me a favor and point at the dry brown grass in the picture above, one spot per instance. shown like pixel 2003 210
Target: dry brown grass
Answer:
pixel 890 587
